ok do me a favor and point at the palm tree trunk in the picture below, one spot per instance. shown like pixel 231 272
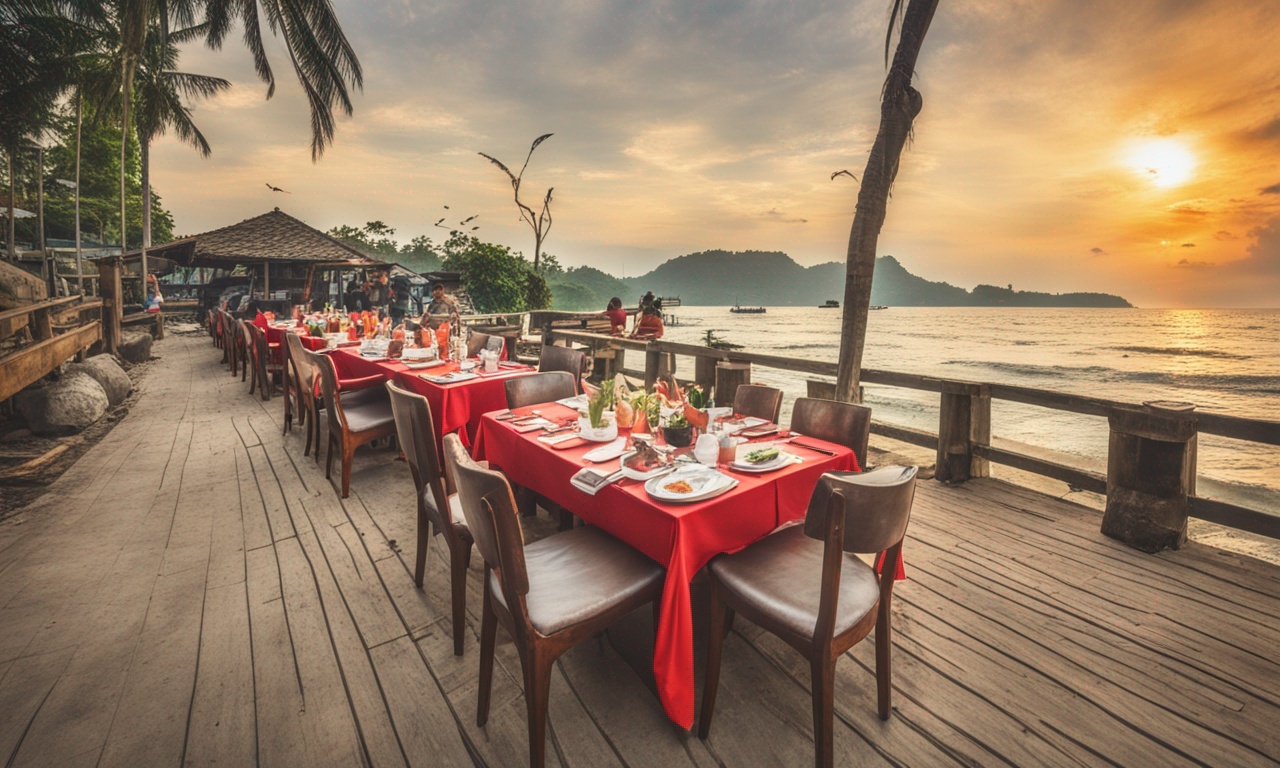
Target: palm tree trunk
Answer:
pixel 13 190
pixel 899 105
pixel 124 143
pixel 79 256
pixel 144 154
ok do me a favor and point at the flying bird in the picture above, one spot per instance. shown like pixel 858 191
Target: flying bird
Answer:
pixel 439 220
pixel 473 229
pixel 277 189
pixel 446 207
pixel 843 173
pixel 469 219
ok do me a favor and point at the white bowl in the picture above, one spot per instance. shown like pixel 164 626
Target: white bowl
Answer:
pixel 605 434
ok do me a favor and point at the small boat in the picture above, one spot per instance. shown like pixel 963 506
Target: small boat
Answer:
pixel 747 310
pixel 669 301
pixel 877 306
pixel 830 304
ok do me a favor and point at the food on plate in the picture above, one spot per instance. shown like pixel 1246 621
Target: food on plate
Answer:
pixel 645 458
pixel 679 486
pixel 762 455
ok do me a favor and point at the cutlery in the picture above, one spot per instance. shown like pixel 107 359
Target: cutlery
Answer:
pixel 812 448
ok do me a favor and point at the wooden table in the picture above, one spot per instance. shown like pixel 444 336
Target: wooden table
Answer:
pixel 682 537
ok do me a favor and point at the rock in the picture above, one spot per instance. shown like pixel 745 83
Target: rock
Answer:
pixel 135 347
pixel 15 435
pixel 68 405
pixel 107 372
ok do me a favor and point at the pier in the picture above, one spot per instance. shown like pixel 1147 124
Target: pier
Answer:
pixel 193 591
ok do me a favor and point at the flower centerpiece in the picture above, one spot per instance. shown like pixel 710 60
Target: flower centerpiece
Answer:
pixel 599 424
pixel 677 430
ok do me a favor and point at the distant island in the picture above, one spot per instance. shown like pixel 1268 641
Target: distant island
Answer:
pixel 720 278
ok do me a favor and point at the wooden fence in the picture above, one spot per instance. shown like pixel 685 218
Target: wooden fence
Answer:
pixel 54 342
pixel 1151 461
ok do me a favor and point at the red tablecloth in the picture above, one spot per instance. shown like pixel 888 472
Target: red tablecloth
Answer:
pixel 682 537
pixel 275 335
pixel 454 407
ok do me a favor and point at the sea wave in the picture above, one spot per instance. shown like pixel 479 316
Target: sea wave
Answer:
pixel 1182 352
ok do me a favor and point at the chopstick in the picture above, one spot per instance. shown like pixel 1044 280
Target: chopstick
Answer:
pixel 812 447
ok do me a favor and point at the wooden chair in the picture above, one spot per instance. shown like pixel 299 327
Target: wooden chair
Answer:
pixel 538 388
pixel 268 372
pixel 758 401
pixel 572 361
pixel 436 507
pixel 354 418
pixel 801 584
pixel 844 424
pixel 245 338
pixel 300 386
pixel 479 341
pixel 549 595
pixel 310 391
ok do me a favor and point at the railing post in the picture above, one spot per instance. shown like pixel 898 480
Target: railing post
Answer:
pixel 652 365
pixel 965 414
pixel 110 289
pixel 1151 471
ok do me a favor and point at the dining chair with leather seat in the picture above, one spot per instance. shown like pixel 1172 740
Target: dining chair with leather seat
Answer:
pixel 353 419
pixel 437 508
pixel 847 424
pixel 759 401
pixel 268 372
pixel 246 359
pixel 804 584
pixel 351 390
pixel 571 361
pixel 478 341
pixel 549 595
pixel 538 388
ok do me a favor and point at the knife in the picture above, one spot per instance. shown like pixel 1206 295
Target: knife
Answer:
pixel 813 448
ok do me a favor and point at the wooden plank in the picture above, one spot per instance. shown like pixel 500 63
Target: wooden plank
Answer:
pixel 371 607
pixel 253 513
pixel 905 434
pixel 1080 478
pixel 1254 430
pixel 29 364
pixel 328 721
pixel 24 688
pixel 281 522
pixel 40 306
pixel 364 689
pixel 422 716
pixel 223 728
pixel 1234 516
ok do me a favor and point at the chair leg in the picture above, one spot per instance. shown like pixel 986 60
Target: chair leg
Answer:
pixel 526 502
pixel 715 649
pixel 307 424
pixel 458 575
pixel 328 458
pixel 537 689
pixel 316 425
pixel 823 670
pixel 253 379
pixel 884 666
pixel 424 537
pixel 348 458
pixel 488 634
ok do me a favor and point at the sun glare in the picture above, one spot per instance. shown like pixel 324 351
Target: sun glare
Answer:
pixel 1164 162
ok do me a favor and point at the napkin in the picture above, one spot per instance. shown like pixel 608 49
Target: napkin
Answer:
pixel 590 481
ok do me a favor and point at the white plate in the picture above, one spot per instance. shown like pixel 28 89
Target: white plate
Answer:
pixel 706 484
pixel 747 423
pixel 607 452
pixel 419 365
pixel 575 402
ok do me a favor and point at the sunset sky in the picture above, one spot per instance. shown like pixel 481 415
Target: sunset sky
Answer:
pixel 1065 145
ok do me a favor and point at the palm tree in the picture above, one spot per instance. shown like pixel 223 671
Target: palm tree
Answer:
pixel 160 92
pixel 900 103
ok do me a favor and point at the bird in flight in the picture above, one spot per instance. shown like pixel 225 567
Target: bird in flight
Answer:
pixel 277 189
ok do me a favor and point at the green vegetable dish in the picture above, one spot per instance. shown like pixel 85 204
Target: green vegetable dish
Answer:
pixel 762 455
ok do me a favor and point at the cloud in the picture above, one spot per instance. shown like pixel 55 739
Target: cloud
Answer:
pixel 1193 208
pixel 1274 189
pixel 1188 245
pixel 1223 234
pixel 1267 132
pixel 1096 251
pixel 779 216
pixel 1189 264
pixel 1264 252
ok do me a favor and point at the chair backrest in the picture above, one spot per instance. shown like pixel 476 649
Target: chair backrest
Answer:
pixel 537 388
pixel 329 389
pixel 759 401
pixel 260 348
pixel 246 335
pixel 490 510
pixel 572 361
pixel 417 434
pixel 302 369
pixel 479 341
pixel 845 424
pixel 877 506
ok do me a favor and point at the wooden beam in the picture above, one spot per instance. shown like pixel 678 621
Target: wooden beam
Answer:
pixel 1255 430
pixel 1080 478
pixel 51 304
pixel 905 434
pixel 1234 516
pixel 29 364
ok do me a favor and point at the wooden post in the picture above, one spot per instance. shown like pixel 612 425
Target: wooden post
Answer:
pixel 652 366
pixel 605 364
pixel 704 375
pixel 157 332
pixel 965 414
pixel 110 289
pixel 43 325
pixel 730 376
pixel 667 366
pixel 1151 470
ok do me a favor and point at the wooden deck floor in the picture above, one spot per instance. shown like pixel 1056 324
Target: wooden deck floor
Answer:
pixel 193 592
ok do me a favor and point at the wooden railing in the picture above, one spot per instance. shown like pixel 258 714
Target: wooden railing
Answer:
pixel 1151 463
pixel 53 345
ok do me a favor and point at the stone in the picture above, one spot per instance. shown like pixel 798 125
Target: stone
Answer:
pixel 135 347
pixel 16 435
pixel 68 405
pixel 107 372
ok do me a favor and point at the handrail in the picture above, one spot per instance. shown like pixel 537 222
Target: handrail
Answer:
pixel 42 306
pixel 963 442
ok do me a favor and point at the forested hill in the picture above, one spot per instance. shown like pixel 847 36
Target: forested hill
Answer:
pixel 772 278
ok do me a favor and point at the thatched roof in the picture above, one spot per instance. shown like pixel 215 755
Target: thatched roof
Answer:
pixel 274 236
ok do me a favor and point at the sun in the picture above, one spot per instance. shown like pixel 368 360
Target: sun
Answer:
pixel 1164 162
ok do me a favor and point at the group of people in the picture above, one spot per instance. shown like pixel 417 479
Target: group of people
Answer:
pixel 648 323
pixel 390 295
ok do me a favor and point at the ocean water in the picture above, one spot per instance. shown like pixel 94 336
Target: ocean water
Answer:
pixel 1223 361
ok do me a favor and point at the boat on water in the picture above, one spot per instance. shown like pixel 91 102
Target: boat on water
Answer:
pixel 669 301
pixel 739 310
pixel 877 306
pixel 830 304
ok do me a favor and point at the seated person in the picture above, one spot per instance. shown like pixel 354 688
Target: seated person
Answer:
pixel 617 317
pixel 441 308
pixel 649 325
